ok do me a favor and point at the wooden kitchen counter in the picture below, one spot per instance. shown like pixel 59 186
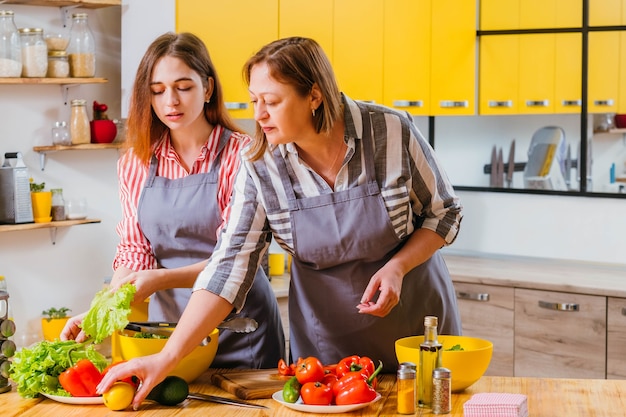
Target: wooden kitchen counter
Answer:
pixel 547 397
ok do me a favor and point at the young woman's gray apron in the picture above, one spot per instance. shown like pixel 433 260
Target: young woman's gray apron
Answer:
pixel 180 218
pixel 340 240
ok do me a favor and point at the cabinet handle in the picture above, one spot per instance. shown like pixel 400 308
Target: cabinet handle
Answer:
pixel 472 296
pixel 571 103
pixel 608 102
pixel 559 306
pixel 503 103
pixel 231 105
pixel 408 103
pixel 537 103
pixel 452 103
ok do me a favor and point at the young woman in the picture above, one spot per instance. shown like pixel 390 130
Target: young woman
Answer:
pixel 176 181
pixel 356 195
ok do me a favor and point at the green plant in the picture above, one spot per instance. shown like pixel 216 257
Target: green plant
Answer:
pixel 54 313
pixel 34 187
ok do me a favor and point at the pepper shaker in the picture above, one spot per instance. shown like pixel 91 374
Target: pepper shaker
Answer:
pixel 442 391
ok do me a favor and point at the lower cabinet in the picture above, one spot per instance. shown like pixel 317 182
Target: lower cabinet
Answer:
pixel 540 333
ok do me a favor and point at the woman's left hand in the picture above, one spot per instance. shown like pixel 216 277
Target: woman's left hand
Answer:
pixel 387 282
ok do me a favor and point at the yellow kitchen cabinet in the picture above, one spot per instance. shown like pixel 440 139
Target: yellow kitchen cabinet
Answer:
pixel 530 14
pixel 308 19
pixel 232 31
pixel 604 72
pixel 560 334
pixel 487 311
pixel 358 48
pixel 499 74
pixel 607 12
pixel 453 57
pixel 499 14
pixel 568 70
pixel 616 338
pixel 406 55
pixel 536 73
pixel 621 104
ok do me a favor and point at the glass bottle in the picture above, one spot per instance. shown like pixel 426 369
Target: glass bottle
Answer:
pixel 58 204
pixel 430 359
pixel 79 123
pixel 61 134
pixel 407 389
pixel 10 46
pixel 34 52
pixel 82 47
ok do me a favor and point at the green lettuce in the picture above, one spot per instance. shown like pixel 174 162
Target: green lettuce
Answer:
pixel 108 312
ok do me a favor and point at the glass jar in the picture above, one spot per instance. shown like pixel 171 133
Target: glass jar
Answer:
pixel 58 65
pixel 82 47
pixel 61 134
pixel 10 47
pixel 79 123
pixel 34 52
pixel 58 205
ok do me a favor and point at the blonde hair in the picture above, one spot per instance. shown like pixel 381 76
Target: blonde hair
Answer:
pixel 301 63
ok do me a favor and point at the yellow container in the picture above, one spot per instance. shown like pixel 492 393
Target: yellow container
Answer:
pixel 277 263
pixel 42 206
pixel 51 328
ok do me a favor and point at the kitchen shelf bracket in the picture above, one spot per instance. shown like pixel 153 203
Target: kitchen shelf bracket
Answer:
pixel 66 14
pixel 42 160
pixel 53 235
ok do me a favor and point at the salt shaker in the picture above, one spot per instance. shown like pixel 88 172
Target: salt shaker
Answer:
pixel 406 382
pixel 442 391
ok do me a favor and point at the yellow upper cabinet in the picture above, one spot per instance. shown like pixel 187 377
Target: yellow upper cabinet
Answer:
pixel 310 19
pixel 604 72
pixel 568 73
pixel 536 73
pixel 358 48
pixel 499 74
pixel 232 31
pixel 607 12
pixel 621 105
pixel 530 14
pixel 453 57
pixel 406 55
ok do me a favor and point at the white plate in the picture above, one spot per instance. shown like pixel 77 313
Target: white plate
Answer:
pixel 329 409
pixel 75 400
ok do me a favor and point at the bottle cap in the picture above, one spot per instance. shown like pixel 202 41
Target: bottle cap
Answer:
pixel 441 373
pixel 430 321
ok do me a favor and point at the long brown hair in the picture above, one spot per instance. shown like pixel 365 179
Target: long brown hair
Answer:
pixel 301 63
pixel 144 128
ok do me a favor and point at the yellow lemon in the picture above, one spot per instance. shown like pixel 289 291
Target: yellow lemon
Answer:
pixel 119 396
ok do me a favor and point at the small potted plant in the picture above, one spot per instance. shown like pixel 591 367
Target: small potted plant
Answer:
pixel 42 202
pixel 53 322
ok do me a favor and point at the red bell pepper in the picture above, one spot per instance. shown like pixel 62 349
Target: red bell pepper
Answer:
pixel 355 363
pixel 355 388
pixel 81 379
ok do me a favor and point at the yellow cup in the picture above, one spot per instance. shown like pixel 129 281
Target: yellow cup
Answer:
pixel 277 263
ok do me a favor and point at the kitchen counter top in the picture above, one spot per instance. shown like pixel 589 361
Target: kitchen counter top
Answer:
pixel 547 397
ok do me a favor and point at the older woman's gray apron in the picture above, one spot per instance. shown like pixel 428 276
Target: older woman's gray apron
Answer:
pixel 180 218
pixel 340 240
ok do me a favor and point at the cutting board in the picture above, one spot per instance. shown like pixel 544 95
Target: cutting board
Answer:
pixel 250 385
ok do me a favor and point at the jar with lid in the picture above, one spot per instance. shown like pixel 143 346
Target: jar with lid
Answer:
pixel 82 47
pixel 34 52
pixel 58 204
pixel 61 134
pixel 407 388
pixel 79 123
pixel 58 65
pixel 10 46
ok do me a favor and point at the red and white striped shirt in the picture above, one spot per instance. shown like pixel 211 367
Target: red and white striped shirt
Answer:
pixel 134 250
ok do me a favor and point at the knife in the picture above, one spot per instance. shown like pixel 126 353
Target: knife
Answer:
pixel 500 170
pixel 236 325
pixel 511 166
pixel 223 400
pixel 494 167
pixel 568 167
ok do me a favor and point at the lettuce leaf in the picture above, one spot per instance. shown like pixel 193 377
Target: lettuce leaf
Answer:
pixel 108 312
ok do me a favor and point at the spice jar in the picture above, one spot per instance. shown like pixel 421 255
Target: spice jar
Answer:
pixel 58 204
pixel 442 391
pixel 34 52
pixel 61 134
pixel 58 65
pixel 79 123
pixel 82 47
pixel 407 388
pixel 10 46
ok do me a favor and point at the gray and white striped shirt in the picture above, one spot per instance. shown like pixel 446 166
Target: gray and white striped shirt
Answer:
pixel 415 189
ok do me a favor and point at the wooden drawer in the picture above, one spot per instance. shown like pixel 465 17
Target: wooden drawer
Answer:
pixel 487 311
pixel 616 339
pixel 559 335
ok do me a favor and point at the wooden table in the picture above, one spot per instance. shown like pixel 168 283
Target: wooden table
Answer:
pixel 547 397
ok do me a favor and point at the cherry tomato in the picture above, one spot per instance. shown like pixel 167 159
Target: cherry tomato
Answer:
pixel 309 370
pixel 316 393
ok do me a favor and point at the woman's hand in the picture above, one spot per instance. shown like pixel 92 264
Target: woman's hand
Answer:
pixel 387 282
pixel 71 330
pixel 146 282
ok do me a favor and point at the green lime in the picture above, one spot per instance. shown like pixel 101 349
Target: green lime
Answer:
pixel 8 348
pixel 171 391
pixel 7 328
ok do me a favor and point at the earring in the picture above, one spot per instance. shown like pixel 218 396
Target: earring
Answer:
pixel 313 112
pixel 208 101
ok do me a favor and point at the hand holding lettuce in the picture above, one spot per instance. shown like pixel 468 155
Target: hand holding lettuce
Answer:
pixel 37 368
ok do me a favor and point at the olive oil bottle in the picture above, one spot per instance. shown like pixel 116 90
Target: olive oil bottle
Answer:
pixel 430 359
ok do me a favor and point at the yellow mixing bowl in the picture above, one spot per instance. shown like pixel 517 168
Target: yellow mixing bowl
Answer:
pixel 124 347
pixel 466 366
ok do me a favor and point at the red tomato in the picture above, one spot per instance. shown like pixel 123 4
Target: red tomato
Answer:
pixel 316 393
pixel 284 369
pixel 309 370
pixel 330 379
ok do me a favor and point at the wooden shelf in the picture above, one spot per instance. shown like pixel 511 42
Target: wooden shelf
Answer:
pixel 50 225
pixel 622 131
pixel 53 81
pixel 87 4
pixel 86 146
